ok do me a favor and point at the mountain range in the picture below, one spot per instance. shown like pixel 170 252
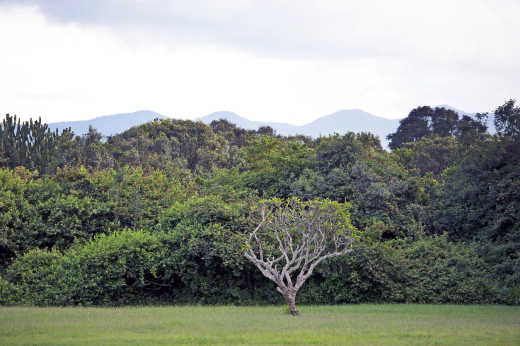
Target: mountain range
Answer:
pixel 343 121
pixel 354 120
pixel 109 125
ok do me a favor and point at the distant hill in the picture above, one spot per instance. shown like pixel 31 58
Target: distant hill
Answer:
pixel 354 120
pixel 109 125
pixel 281 128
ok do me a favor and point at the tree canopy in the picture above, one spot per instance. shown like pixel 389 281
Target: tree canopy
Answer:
pixel 294 237
pixel 161 212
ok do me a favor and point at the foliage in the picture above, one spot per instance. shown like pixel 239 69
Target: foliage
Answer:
pixel 430 270
pixel 423 122
pixel 507 120
pixel 111 270
pixel 430 155
pixel 293 237
pixel 75 205
pixel 160 212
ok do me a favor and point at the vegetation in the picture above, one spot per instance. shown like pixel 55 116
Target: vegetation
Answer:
pixel 324 325
pixel 161 213
pixel 293 238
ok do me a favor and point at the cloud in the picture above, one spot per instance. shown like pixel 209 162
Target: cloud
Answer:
pixel 438 31
pixel 271 60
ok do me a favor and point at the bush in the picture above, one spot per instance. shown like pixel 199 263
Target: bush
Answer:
pixel 8 293
pixel 44 277
pixel 109 270
pixel 117 269
pixel 439 271
pixel 430 270
pixel 204 264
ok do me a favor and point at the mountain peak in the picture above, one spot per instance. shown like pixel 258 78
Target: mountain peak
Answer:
pixel 109 125
pixel 221 115
pixel 343 121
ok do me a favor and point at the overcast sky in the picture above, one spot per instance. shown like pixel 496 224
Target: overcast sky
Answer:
pixel 290 61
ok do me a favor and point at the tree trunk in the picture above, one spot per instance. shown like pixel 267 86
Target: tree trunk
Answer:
pixel 290 298
pixel 292 304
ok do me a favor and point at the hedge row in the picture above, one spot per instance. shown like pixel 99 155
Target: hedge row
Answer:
pixel 205 265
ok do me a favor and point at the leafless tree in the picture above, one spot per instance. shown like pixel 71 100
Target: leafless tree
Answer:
pixel 293 237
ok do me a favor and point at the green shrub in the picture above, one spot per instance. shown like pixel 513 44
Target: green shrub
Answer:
pixel 118 268
pixel 429 270
pixel 8 293
pixel 204 264
pixel 109 270
pixel 44 277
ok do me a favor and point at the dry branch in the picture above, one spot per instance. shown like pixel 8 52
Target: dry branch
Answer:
pixel 293 237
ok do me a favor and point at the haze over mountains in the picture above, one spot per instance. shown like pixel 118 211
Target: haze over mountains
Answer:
pixel 354 120
pixel 343 121
pixel 109 125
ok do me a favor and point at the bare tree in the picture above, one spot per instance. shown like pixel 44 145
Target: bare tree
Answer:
pixel 293 237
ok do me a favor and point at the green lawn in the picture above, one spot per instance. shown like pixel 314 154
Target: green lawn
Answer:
pixel 227 325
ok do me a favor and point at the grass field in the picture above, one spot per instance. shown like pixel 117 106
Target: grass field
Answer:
pixel 227 325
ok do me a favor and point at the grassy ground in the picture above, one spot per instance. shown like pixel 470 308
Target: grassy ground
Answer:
pixel 226 325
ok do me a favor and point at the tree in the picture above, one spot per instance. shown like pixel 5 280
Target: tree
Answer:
pixel 433 154
pixel 424 122
pixel 93 149
pixel 470 130
pixel 272 164
pixel 412 128
pixel 294 237
pixel 337 151
pixel 30 144
pixel 507 120
pixel 266 131
pixel 444 122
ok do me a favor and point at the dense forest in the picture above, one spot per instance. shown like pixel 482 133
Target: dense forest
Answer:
pixel 159 214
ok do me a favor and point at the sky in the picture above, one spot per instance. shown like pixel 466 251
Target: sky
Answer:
pixel 288 61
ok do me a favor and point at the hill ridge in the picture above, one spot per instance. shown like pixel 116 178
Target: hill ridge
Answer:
pixel 342 121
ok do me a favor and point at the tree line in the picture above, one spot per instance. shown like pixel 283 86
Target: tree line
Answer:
pixel 161 212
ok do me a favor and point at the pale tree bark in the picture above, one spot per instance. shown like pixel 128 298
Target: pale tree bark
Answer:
pixel 293 238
